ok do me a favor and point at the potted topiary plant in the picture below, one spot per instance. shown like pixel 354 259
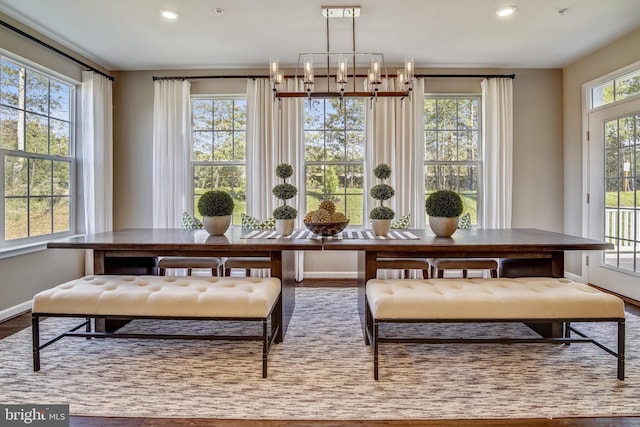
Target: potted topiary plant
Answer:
pixel 216 207
pixel 381 216
pixel 284 214
pixel 444 208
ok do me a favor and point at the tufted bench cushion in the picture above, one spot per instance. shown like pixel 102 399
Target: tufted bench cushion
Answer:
pixel 518 298
pixel 526 299
pixel 161 296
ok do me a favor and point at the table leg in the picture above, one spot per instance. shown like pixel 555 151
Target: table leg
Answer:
pixel 120 265
pixel 537 267
pixel 283 266
pixel 367 269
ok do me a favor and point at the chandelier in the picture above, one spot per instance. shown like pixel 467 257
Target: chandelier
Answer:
pixel 345 65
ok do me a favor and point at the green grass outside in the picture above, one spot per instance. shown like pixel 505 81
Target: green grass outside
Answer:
pixel 626 199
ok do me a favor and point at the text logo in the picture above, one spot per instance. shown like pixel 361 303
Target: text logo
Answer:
pixel 34 415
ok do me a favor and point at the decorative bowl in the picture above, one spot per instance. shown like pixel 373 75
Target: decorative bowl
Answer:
pixel 326 228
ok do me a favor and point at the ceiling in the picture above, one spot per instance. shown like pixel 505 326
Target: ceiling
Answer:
pixel 132 35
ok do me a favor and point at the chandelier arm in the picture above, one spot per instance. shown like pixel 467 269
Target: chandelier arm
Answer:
pixel 328 50
pixel 353 46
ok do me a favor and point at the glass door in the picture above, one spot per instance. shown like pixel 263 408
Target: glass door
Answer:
pixel 614 197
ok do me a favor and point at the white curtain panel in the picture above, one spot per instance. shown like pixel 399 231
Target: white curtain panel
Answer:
pixel 497 128
pixel 395 135
pixel 291 144
pixel 96 162
pixel 274 136
pixel 171 148
pixel 263 152
pixel 97 152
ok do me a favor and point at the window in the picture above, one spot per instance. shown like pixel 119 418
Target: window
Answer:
pixel 452 148
pixel 334 136
pixel 616 89
pixel 37 150
pixel 622 208
pixel 218 154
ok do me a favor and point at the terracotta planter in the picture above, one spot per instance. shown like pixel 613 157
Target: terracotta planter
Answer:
pixel 381 227
pixel 285 227
pixel 216 225
pixel 443 226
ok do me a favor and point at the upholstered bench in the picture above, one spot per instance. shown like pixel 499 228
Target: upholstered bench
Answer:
pixel 161 297
pixel 529 300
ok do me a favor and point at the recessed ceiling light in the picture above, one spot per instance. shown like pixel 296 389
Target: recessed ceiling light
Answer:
pixel 218 11
pixel 505 11
pixel 169 14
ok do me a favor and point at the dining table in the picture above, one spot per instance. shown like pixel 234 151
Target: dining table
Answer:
pixel 518 246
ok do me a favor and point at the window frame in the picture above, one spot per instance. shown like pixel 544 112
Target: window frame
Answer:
pixel 593 90
pixel 23 245
pixel 194 163
pixel 339 163
pixel 479 163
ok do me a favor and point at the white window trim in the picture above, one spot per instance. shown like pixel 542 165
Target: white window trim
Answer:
pixel 587 87
pixel 28 245
pixel 480 162
pixel 194 163
pixel 586 110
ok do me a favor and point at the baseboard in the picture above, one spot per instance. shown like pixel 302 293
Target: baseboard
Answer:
pixel 14 311
pixel 573 277
pixel 330 274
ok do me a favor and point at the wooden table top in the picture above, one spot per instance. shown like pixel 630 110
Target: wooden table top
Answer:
pixel 462 243
pixel 475 241
pixel 150 239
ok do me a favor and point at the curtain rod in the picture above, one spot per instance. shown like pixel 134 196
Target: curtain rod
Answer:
pixel 56 50
pixel 254 76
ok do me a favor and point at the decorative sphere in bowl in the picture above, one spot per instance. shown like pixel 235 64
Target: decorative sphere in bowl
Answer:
pixel 326 228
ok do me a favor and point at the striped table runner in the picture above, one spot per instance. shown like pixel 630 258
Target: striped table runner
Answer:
pixel 347 234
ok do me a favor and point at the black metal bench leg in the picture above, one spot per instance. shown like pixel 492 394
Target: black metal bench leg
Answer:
pixel 621 349
pixel 265 347
pixel 374 347
pixel 87 327
pixel 35 333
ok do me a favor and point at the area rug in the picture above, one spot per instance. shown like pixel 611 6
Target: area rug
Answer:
pixel 323 370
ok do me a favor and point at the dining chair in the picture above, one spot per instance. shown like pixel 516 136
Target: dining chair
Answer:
pixel 405 264
pixel 212 263
pixel 246 263
pixel 439 265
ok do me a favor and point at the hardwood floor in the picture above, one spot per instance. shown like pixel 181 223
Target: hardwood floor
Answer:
pixel 23 321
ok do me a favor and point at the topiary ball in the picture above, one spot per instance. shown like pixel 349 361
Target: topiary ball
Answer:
pixel 381 212
pixel 444 203
pixel 215 203
pixel 382 171
pixel 285 212
pixel 284 191
pixel 382 192
pixel 284 170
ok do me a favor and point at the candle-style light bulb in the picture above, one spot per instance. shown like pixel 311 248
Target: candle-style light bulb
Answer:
pixel 408 66
pixel 274 66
